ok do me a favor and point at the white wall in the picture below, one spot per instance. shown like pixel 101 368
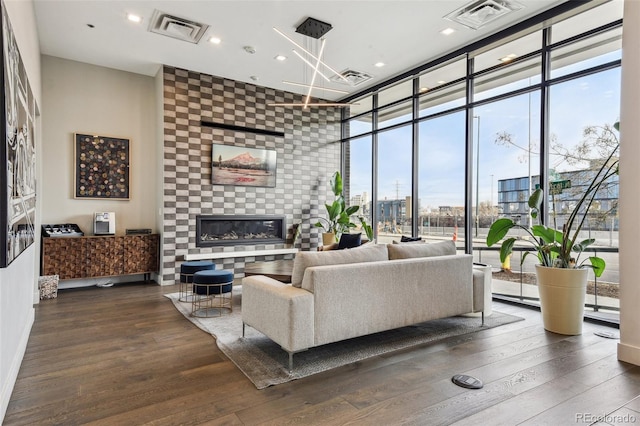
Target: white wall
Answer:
pixel 18 283
pixel 84 98
pixel 629 346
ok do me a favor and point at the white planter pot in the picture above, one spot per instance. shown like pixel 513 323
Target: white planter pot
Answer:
pixel 562 294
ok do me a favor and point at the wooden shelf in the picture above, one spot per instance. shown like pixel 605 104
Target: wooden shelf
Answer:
pixel 100 256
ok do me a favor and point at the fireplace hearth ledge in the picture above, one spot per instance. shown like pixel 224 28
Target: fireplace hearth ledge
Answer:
pixel 234 254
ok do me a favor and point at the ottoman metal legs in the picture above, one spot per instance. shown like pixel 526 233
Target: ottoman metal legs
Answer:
pixel 187 270
pixel 212 293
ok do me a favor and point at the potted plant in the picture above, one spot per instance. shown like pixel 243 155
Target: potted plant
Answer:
pixel 561 274
pixel 339 215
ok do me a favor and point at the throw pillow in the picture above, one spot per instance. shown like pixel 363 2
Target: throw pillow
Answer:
pixel 307 259
pixel 349 241
pixel 408 251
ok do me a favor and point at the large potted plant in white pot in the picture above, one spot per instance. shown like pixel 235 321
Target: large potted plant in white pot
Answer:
pixel 561 274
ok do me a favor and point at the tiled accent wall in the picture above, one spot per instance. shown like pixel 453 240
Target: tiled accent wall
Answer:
pixel 308 155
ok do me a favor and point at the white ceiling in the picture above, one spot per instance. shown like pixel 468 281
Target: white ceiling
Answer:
pixel 400 33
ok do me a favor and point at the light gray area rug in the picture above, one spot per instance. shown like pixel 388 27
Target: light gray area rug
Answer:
pixel 266 364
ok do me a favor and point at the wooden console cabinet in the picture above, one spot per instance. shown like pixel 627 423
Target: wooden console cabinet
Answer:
pixel 100 256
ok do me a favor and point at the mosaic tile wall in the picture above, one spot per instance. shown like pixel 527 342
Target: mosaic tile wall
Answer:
pixel 308 155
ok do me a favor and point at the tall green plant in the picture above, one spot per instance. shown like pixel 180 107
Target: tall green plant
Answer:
pixel 339 215
pixel 557 248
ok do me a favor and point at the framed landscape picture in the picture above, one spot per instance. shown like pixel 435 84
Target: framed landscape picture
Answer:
pixel 234 165
pixel 101 167
pixel 18 151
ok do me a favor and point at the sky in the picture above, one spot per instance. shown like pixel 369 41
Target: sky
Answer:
pixel 574 105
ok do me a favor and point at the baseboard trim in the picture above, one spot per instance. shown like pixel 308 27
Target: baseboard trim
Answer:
pixel 16 362
pixel 628 353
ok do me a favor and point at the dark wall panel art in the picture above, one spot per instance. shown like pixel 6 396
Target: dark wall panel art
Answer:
pixel 101 167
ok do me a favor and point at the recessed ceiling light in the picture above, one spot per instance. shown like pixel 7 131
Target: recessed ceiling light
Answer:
pixel 441 82
pixel 215 40
pixel 379 64
pixel 424 89
pixel 280 57
pixel 447 31
pixel 508 58
pixel 134 18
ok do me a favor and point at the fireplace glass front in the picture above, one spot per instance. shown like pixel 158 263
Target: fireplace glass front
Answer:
pixel 231 230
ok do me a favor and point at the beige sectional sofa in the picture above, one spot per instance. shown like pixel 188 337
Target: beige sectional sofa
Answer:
pixel 337 295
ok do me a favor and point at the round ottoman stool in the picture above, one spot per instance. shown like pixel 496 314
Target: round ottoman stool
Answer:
pixel 212 292
pixel 187 269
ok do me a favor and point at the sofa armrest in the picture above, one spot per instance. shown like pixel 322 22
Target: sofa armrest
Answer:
pixel 280 311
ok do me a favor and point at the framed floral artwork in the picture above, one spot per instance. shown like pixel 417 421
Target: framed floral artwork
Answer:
pixel 101 167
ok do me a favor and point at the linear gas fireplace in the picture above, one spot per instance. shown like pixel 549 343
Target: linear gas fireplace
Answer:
pixel 219 230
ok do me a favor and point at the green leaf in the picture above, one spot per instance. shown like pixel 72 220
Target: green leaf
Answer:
pixel 334 210
pixel 352 210
pixel 548 235
pixel 535 199
pixel 344 219
pixel 498 230
pixel 579 247
pixel 336 184
pixel 598 265
pixel 506 248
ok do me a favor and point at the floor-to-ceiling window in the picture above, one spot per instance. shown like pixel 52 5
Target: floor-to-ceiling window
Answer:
pixel 394 203
pixel 441 175
pixel 468 137
pixel 441 152
pixel 360 178
pixel 584 105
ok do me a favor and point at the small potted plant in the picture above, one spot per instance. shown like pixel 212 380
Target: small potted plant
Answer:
pixel 561 274
pixel 339 215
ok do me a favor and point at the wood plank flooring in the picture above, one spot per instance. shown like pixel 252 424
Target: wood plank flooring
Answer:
pixel 125 356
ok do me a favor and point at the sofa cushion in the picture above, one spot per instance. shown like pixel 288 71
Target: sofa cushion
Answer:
pixel 407 251
pixel 349 241
pixel 306 259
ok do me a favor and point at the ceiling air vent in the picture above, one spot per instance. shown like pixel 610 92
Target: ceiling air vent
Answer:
pixel 176 27
pixel 479 13
pixel 353 78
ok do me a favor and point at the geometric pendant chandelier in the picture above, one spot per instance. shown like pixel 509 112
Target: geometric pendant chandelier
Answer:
pixel 313 28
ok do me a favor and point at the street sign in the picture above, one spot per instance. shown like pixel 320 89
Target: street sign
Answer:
pixel 557 186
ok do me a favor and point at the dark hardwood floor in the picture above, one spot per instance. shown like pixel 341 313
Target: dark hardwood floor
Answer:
pixel 125 356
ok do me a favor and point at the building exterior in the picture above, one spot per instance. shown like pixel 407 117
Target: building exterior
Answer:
pixel 513 195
